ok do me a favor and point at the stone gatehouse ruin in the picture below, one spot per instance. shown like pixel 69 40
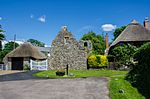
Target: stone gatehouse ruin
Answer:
pixel 66 50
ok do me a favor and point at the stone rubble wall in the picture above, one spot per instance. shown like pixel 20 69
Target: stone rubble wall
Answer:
pixel 72 54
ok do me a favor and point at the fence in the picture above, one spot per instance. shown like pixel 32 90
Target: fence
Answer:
pixel 38 65
pixel 2 67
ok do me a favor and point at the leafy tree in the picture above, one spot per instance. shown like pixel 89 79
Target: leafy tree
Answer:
pixel 2 37
pixel 97 42
pixel 139 76
pixel 7 48
pixel 10 46
pixel 123 55
pixel 36 42
pixel 118 31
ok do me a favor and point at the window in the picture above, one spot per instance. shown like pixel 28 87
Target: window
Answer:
pixel 85 44
pixel 66 40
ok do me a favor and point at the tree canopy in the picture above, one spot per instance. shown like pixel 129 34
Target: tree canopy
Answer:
pixel 118 31
pixel 2 37
pixel 36 42
pixel 10 46
pixel 7 48
pixel 97 42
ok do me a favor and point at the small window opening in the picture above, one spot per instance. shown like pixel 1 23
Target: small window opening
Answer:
pixel 85 44
pixel 66 40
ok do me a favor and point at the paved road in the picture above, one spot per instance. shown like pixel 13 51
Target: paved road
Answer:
pixel 24 86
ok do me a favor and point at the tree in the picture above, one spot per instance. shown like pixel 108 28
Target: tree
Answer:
pixel 7 48
pixel 10 46
pixel 2 37
pixel 97 42
pixel 118 31
pixel 36 42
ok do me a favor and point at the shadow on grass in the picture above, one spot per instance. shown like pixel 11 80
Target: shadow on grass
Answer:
pixel 141 81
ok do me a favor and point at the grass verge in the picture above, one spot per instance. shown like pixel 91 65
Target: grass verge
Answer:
pixel 122 89
pixel 80 73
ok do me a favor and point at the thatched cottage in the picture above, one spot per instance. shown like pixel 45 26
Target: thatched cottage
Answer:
pixel 66 50
pixel 24 55
pixel 134 33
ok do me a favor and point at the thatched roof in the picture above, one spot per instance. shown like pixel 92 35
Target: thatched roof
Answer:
pixel 132 33
pixel 26 50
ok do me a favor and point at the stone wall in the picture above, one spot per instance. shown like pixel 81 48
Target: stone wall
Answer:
pixel 26 61
pixel 66 50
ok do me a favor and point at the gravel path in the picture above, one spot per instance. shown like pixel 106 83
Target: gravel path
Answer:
pixel 24 86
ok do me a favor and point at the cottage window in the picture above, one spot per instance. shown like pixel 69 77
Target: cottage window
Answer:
pixel 66 40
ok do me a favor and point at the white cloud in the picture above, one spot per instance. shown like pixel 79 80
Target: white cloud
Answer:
pixel 42 19
pixel 1 18
pixel 108 27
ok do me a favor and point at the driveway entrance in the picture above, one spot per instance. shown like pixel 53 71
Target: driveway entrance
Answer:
pixel 32 88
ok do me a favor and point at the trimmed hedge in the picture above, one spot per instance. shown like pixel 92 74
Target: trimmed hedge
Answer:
pixel 97 61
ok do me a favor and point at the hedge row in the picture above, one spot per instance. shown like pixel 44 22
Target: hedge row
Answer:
pixel 96 61
pixel 139 76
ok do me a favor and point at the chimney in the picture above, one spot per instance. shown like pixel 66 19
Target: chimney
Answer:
pixel 64 28
pixel 107 41
pixel 146 23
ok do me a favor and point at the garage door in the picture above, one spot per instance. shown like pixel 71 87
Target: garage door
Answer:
pixel 17 63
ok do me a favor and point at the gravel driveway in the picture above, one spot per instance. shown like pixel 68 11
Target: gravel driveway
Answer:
pixel 23 86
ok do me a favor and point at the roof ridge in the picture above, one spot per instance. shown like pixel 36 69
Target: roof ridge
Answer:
pixel 134 22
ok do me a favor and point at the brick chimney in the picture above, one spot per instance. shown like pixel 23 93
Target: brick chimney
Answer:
pixel 107 41
pixel 146 23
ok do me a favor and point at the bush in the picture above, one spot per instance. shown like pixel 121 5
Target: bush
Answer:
pixel 110 58
pixel 92 61
pixel 2 55
pixel 123 55
pixel 139 76
pixel 96 61
pixel 104 61
pixel 26 67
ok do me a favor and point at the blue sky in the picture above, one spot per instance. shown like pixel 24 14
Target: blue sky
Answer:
pixel 42 19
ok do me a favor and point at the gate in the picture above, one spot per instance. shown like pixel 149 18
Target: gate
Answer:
pixel 38 65
pixel 2 67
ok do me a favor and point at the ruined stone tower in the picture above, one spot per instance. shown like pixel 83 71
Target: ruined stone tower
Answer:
pixel 66 50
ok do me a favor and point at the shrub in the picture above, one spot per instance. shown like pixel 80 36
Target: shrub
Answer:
pixel 104 61
pixel 97 61
pixel 123 55
pixel 92 61
pixel 110 58
pixel 26 67
pixel 139 76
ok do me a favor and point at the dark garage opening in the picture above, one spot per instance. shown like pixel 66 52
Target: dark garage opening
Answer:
pixel 17 63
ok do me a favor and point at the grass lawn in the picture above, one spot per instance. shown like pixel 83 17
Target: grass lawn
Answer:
pixel 118 87
pixel 122 89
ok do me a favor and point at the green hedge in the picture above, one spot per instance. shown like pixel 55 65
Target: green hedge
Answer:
pixel 139 76
pixel 96 61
